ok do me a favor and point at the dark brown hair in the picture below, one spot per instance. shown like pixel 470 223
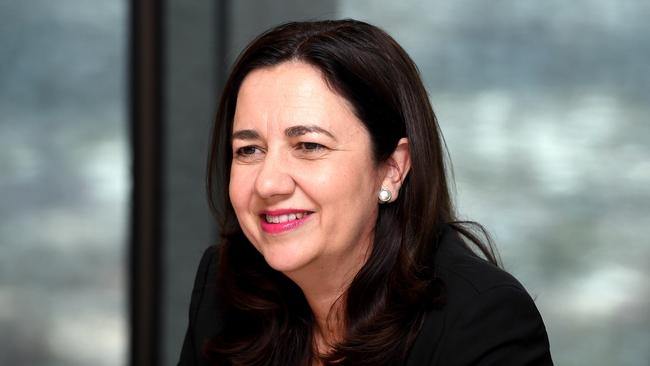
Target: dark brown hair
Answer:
pixel 266 319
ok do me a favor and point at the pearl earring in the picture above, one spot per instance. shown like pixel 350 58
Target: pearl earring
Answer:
pixel 384 195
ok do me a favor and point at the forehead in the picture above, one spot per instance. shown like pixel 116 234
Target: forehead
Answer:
pixel 291 93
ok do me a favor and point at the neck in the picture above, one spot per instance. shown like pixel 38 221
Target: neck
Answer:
pixel 324 286
pixel 329 312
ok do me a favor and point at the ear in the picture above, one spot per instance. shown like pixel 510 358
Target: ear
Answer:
pixel 397 167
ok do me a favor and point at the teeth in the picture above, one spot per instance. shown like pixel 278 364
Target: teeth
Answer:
pixel 285 218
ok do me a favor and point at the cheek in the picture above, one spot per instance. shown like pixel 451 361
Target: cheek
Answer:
pixel 345 184
pixel 238 189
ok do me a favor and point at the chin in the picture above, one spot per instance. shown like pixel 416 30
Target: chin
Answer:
pixel 286 261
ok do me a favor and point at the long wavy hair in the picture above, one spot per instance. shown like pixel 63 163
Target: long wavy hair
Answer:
pixel 265 318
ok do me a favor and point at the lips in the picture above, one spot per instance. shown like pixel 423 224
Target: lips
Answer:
pixel 281 221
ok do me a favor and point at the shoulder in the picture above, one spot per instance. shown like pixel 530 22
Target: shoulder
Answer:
pixel 207 265
pixel 203 321
pixel 474 285
pixel 488 318
pixel 204 291
pixel 204 281
pixel 467 275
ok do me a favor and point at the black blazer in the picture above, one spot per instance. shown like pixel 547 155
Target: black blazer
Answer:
pixel 489 318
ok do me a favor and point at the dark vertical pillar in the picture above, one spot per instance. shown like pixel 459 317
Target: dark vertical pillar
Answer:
pixel 146 134
pixel 194 33
pixel 222 31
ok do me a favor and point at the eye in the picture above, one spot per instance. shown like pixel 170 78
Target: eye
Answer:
pixel 309 147
pixel 247 150
pixel 250 152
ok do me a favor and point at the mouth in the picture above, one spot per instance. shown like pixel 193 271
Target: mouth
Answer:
pixel 280 221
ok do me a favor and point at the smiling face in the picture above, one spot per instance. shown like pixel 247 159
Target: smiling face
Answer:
pixel 303 181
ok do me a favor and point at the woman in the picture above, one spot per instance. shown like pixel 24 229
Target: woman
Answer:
pixel 340 244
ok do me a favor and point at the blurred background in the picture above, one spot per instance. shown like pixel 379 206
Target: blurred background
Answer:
pixel 106 109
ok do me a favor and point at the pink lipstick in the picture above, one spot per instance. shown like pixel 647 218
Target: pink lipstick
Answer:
pixel 283 220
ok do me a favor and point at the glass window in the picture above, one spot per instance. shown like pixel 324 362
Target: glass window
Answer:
pixel 64 181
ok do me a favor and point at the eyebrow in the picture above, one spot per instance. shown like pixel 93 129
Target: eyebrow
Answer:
pixel 245 135
pixel 292 131
pixel 300 130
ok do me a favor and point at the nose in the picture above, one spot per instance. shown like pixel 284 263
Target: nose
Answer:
pixel 274 179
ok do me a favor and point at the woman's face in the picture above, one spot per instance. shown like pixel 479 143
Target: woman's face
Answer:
pixel 303 182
